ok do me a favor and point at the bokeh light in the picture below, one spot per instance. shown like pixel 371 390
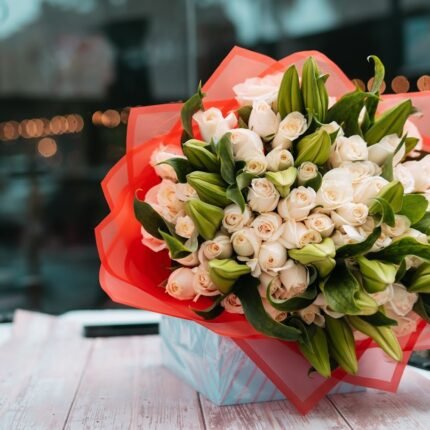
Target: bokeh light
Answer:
pixel 47 147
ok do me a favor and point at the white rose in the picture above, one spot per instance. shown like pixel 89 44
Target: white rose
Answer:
pixel 350 214
pixel 234 219
pixel 272 312
pixel 405 177
pixel 212 123
pixel 420 170
pixel 245 242
pixel 416 234
pixel 401 226
pixel 252 89
pixel 168 201
pixel 232 304
pixel 336 189
pixel 185 192
pixel 294 281
pixel 262 195
pixel 382 242
pixel 297 235
pixel 402 301
pixel 267 226
pixel 379 152
pixel 256 165
pixel 185 226
pixel 272 257
pixel 312 315
pixel 290 128
pixel 320 301
pixel 190 260
pixel 368 188
pixel 321 223
pixel 279 159
pixel 332 127
pixel 298 204
pixel 383 297
pixel 306 172
pixel 361 169
pixel 405 325
pixel 180 284
pixel 352 148
pixel 202 283
pixel 263 120
pixel 246 144
pixel 352 234
pixel 161 154
pixel 152 242
pixel 219 247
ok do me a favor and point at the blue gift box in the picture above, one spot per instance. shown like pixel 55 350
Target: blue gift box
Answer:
pixel 216 367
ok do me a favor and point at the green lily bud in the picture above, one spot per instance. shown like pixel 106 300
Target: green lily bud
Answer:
pixel 420 280
pixel 224 273
pixel 375 274
pixel 325 266
pixel 290 98
pixel 393 194
pixel 283 180
pixel 200 157
pixel 365 303
pixel 382 335
pixel 206 217
pixel 314 147
pixel 341 344
pixel 210 187
pixel 316 352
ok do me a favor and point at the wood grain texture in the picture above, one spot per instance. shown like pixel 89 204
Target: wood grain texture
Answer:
pixel 124 387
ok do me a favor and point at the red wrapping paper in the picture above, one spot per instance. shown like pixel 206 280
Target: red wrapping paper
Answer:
pixel 131 274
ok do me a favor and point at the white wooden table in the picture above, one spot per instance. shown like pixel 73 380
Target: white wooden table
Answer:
pixel 52 378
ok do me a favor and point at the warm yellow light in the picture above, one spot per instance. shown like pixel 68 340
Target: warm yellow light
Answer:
pixel 47 147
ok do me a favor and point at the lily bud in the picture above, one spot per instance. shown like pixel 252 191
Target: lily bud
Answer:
pixel 382 335
pixel 315 148
pixel 224 273
pixel 420 281
pixel 210 188
pixel 376 275
pixel 283 180
pixel 200 157
pixel 365 303
pixel 207 218
pixel 316 352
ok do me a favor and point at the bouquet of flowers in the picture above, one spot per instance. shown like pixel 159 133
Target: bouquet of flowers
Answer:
pixel 291 211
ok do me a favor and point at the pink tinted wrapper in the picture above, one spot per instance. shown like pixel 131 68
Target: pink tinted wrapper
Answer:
pixel 132 274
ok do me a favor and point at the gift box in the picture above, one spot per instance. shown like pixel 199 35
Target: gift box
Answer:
pixel 216 367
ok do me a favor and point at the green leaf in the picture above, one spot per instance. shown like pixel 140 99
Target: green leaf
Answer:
pixel 381 207
pixel 414 207
pixel 200 157
pixel 244 113
pixel 410 144
pixel 290 97
pixel 379 319
pixel 418 281
pixel 225 155
pixel 354 249
pixel 393 194
pixel 391 121
pixel 177 249
pixel 424 224
pixel 181 166
pixel 235 195
pixel 315 96
pixel 246 289
pixel 190 107
pixel 244 179
pixel 401 248
pixel 387 168
pixel 378 79
pixel 422 307
pixel 295 303
pixel 314 183
pixel 212 311
pixel 371 105
pixel 150 219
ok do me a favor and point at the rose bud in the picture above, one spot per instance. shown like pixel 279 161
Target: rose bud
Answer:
pixel 245 242
pixel 180 284
pixel 263 120
pixel 294 278
pixel 161 154
pixel 224 273
pixel 272 257
pixel 190 260
pixel 379 152
pixel 246 144
pixel 290 128
pixel 212 123
pixel 405 177
pixel 306 172
pixel 152 242
pixel 167 200
pixel 234 219
pixel 297 235
pixel 354 214
pixel 320 223
pixel 273 313
pixel 312 315
pixel 279 159
pixel 202 283
pixel 376 275
pixel 283 180
pixel 185 192
pixel 232 304
pixel 361 169
pixel 207 218
pixel 336 189
pixel 267 226
pixel 256 165
pixel 332 127
pixel 185 226
pixel 219 247
pixel 402 301
pixel 298 204
pixel 262 195
pixel 420 170
pixel 368 188
pixel 352 148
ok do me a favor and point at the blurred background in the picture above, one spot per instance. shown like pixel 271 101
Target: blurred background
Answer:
pixel 71 69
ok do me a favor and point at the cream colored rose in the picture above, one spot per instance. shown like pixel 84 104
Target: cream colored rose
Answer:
pixel 279 159
pixel 263 120
pixel 212 123
pixel 256 165
pixel 353 234
pixel 401 226
pixel 306 172
pixel 336 189
pixel 297 235
pixel 298 204
pixel 383 297
pixel 368 188
pixel 232 304
pixel 420 170
pixel 262 195
pixel 152 242
pixel 352 148
pixel 202 283
pixel 272 257
pixel 185 192
pixel 169 202
pixel 219 247
pixel 361 169
pixel 354 214
pixel 190 260
pixel 379 152
pixel 180 284
pixel 255 89
pixel 234 219
pixel 290 128
pixel 402 301
pixel 320 223
pixel 185 226
pixel 267 226
pixel 245 242
pixel 382 242
pixel 274 313
pixel 246 144
pixel 332 127
pixel 294 280
pixel 163 153
pixel 405 177
pixel 416 234
pixel 312 315
pixel 405 325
